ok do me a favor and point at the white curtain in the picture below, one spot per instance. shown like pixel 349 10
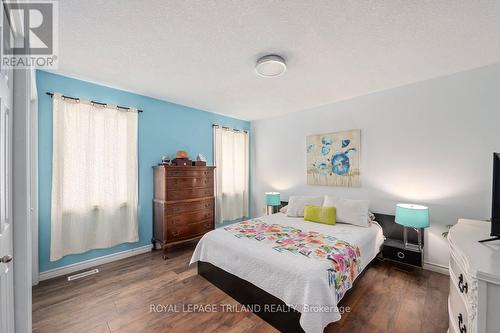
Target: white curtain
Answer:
pixel 231 167
pixel 94 177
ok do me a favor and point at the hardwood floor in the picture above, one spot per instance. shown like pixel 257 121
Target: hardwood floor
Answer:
pixel 388 298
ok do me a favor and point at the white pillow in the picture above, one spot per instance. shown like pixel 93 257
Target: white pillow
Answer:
pixel 283 209
pixel 296 204
pixel 350 211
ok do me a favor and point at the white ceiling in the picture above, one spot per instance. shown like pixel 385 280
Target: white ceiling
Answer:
pixel 202 53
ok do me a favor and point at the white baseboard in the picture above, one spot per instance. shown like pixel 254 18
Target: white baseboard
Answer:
pixel 436 268
pixel 52 273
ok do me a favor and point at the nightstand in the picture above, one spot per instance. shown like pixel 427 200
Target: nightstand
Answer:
pixel 283 204
pixel 395 250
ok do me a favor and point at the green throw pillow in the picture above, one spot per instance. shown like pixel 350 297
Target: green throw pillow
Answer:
pixel 320 214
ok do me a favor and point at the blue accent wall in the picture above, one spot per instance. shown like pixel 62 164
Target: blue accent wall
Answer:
pixel 163 128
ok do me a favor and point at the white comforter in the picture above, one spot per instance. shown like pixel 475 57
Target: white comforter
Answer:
pixel 300 282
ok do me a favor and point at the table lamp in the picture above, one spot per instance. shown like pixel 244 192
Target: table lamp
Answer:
pixel 413 216
pixel 272 201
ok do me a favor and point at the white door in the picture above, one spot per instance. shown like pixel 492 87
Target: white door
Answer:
pixel 6 260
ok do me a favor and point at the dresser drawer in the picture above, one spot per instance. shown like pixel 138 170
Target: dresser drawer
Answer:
pixel 177 233
pixel 462 280
pixel 402 255
pixel 186 207
pixel 189 193
pixel 458 311
pixel 179 183
pixel 452 321
pixel 190 218
pixel 188 172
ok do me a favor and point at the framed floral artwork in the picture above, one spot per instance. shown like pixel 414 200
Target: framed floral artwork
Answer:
pixel 334 159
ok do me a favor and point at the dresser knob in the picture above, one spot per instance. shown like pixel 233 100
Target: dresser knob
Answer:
pixel 400 255
pixel 461 325
pixel 461 286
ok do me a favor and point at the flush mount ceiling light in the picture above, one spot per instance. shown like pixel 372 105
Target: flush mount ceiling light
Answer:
pixel 270 65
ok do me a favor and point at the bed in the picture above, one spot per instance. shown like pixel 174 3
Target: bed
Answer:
pixel 256 271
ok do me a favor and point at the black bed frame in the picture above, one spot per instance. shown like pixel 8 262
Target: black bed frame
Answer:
pixel 254 297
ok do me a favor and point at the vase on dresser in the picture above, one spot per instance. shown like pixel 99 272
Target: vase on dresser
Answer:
pixel 474 300
pixel 183 203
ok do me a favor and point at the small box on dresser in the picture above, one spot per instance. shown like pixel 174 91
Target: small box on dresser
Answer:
pixel 474 300
pixel 183 203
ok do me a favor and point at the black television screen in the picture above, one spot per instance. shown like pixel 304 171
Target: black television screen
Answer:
pixel 495 201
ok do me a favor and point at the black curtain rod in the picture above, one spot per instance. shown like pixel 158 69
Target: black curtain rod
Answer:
pixel 94 102
pixel 229 128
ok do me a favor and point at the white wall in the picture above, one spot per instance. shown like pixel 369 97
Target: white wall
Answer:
pixel 429 142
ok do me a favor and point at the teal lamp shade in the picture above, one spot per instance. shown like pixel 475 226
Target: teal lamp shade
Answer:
pixel 410 215
pixel 272 199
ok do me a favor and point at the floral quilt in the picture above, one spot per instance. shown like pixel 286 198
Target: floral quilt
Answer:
pixel 345 258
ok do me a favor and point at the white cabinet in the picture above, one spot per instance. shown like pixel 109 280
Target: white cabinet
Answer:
pixel 474 301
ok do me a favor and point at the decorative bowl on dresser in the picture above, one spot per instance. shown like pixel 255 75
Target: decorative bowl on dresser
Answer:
pixel 183 203
pixel 474 301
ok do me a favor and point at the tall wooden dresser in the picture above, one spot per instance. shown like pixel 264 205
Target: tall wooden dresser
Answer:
pixel 183 203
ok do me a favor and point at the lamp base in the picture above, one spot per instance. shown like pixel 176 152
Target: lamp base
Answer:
pixel 413 247
pixel 410 246
pixel 271 210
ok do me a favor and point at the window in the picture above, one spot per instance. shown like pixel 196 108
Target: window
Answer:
pixel 231 161
pixel 94 177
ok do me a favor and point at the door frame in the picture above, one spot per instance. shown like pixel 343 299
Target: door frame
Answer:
pixel 21 196
pixel 22 178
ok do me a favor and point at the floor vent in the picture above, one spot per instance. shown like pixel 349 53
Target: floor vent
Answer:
pixel 82 274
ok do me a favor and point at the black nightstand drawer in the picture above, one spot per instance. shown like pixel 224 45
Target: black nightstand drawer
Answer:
pixel 397 252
